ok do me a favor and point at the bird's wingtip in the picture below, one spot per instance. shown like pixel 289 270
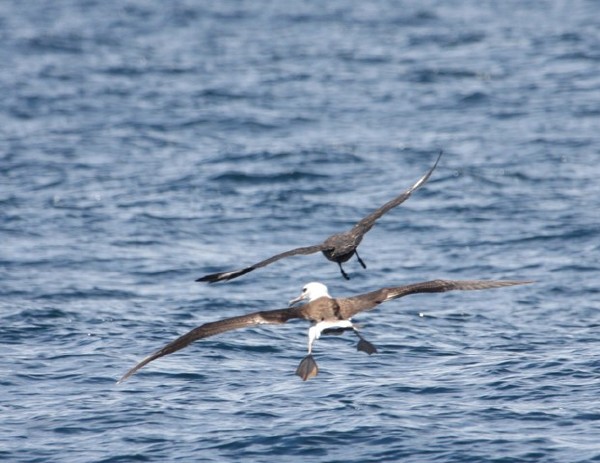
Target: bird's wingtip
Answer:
pixel 214 277
pixel 224 276
pixel 128 375
pixel 519 282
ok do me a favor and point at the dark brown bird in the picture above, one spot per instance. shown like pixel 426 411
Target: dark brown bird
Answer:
pixel 324 312
pixel 337 248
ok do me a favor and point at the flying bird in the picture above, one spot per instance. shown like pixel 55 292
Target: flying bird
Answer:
pixel 339 247
pixel 324 312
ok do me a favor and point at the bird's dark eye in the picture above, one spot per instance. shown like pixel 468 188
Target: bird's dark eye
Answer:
pixel 303 290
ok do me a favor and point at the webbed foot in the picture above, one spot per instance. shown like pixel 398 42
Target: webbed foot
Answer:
pixel 307 368
pixel 365 346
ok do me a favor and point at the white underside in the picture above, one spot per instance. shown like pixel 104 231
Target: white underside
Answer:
pixel 314 332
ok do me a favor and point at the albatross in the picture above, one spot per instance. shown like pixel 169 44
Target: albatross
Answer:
pixel 324 312
pixel 339 247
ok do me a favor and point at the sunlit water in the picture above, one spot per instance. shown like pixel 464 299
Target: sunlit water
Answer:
pixel 145 144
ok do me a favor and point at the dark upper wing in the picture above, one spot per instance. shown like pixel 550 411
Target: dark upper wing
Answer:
pixel 224 276
pixel 364 225
pixel 353 305
pixel 210 329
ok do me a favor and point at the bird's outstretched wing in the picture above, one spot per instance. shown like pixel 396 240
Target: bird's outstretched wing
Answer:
pixel 364 225
pixel 224 276
pixel 272 317
pixel 353 305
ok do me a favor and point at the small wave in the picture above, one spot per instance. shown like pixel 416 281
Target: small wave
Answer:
pixel 253 178
pixel 94 293
pixel 475 98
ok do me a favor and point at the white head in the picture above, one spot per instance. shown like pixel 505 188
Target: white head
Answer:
pixel 311 291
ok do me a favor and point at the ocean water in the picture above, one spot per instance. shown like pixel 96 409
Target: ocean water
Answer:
pixel 145 144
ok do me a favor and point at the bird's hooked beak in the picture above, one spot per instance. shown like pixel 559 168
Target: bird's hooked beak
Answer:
pixel 298 299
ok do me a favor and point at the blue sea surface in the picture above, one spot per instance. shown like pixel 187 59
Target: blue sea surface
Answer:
pixel 146 144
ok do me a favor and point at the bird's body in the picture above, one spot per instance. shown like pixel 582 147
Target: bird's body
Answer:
pixel 339 247
pixel 324 312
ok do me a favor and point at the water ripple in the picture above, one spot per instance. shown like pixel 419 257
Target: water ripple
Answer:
pixel 144 144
